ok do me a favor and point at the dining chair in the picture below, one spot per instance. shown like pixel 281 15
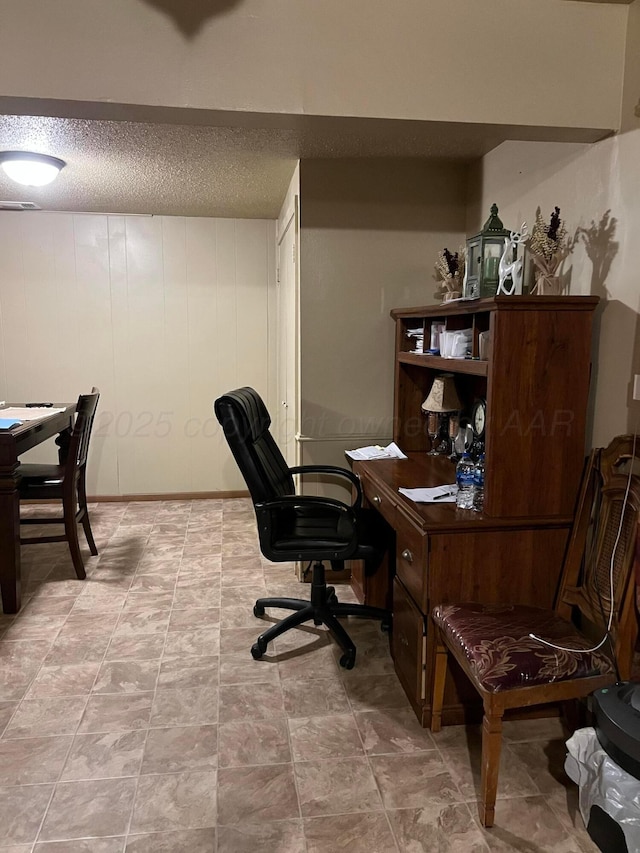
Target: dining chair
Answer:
pixel 65 482
pixel 300 527
pixel 517 656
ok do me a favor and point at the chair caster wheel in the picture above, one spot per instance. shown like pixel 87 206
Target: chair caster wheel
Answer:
pixel 348 660
pixel 385 624
pixel 333 598
pixel 258 649
pixel 258 610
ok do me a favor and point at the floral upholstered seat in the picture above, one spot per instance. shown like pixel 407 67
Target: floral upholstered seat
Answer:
pixel 502 656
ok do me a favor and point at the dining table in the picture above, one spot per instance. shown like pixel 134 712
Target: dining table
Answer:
pixel 15 441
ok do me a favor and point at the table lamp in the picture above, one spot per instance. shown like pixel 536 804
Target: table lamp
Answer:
pixel 442 399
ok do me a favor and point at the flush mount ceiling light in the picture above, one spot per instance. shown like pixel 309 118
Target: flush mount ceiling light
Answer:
pixel 32 170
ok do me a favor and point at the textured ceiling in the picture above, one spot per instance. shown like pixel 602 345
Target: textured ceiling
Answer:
pixel 206 167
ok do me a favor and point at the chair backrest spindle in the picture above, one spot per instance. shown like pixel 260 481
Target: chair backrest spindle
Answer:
pixel 603 541
pixel 79 444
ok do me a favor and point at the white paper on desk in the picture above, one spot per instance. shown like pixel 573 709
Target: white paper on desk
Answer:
pixel 439 494
pixel 375 451
pixel 30 414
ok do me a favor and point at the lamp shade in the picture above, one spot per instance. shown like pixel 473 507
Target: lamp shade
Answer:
pixel 30 169
pixel 443 396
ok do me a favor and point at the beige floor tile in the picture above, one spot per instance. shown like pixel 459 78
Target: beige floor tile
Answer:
pixel 185 841
pixel 367 832
pixel 254 742
pixel 414 780
pixel 127 677
pixel 175 801
pixel 34 760
pixel 392 730
pixel 85 845
pixel 370 694
pixel 193 642
pixel 167 609
pixel 94 808
pixel 529 823
pixel 305 697
pixel 336 787
pixel 446 828
pixel 250 702
pixel 180 749
pixel 302 662
pixel 327 736
pixel 241 668
pixel 77 648
pixel 196 617
pixel 7 710
pixel 43 717
pixel 104 756
pixel 151 621
pixel 514 779
pixel 140 647
pixel 185 707
pixel 117 713
pixel 238 640
pixel 21 813
pixel 256 794
pixel 282 836
pixel 189 672
pixel 66 680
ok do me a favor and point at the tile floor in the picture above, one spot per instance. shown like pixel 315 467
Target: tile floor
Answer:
pixel 133 718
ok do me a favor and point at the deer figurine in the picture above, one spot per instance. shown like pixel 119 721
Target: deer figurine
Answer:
pixel 510 267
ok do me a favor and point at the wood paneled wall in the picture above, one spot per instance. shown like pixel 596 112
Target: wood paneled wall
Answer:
pixel 161 313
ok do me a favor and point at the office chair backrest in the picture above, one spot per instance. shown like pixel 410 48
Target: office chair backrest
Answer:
pixel 79 445
pixel 245 421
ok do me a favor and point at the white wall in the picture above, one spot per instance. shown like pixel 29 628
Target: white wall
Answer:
pixel 597 188
pixel 161 313
pixel 370 233
pixel 524 62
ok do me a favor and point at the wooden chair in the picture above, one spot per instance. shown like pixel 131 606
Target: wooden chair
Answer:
pixel 65 482
pixel 493 643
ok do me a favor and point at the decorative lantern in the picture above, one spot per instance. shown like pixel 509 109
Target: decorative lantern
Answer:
pixel 483 257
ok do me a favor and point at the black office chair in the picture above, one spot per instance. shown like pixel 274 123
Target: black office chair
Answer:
pixel 299 527
pixel 65 482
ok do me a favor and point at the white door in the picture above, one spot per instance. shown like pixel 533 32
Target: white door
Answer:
pixel 287 334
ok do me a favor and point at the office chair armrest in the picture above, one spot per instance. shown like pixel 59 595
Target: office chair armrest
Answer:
pixel 287 501
pixel 336 471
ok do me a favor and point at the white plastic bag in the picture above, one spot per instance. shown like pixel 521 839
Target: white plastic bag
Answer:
pixel 602 783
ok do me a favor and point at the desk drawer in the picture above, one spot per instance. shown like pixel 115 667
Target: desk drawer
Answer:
pixel 409 644
pixel 379 500
pixel 411 559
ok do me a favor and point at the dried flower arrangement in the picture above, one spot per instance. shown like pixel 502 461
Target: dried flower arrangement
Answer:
pixel 450 273
pixel 548 247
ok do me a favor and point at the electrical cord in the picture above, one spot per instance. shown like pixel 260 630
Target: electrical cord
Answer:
pixel 609 621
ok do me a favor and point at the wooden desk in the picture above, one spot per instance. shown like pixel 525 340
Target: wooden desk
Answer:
pixel 443 554
pixel 13 443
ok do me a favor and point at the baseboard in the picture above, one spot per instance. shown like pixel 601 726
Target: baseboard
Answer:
pixel 169 496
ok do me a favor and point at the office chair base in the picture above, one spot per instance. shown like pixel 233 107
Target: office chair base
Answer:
pixel 323 609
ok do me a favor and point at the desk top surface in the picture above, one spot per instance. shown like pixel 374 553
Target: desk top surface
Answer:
pixel 36 425
pixel 420 470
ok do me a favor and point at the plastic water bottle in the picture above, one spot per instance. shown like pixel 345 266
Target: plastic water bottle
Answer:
pixel 478 482
pixel 464 478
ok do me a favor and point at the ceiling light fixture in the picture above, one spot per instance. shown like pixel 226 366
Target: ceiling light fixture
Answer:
pixel 32 170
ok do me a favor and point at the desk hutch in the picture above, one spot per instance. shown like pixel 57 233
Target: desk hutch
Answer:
pixel 536 384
